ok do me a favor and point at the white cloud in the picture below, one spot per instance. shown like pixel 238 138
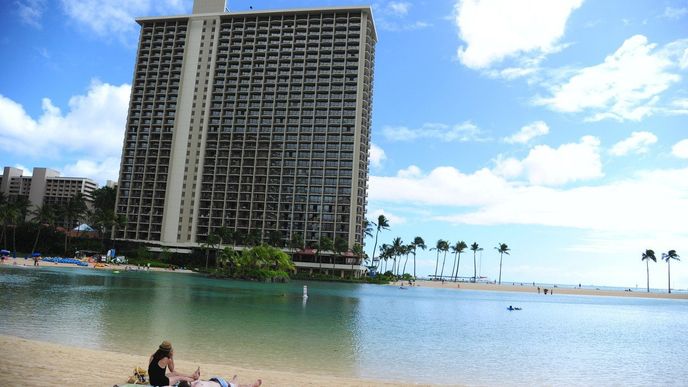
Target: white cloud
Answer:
pixel 31 11
pixel 641 203
pixel 528 132
pixel 548 166
pixel 675 13
pixel 462 132
pixel 394 220
pixel 400 8
pixel 91 130
pixel 626 86
pixel 411 171
pixel 377 155
pixel 680 149
pixel 108 18
pixel 637 143
pixel 99 170
pixel 495 30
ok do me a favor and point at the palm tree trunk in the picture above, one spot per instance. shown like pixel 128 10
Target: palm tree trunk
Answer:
pixel 647 266
pixel 35 243
pixel 372 262
pixel 458 263
pixel 405 262
pixel 500 267
pixel 14 238
pixel 475 269
pixel 669 267
pixel 414 263
pixel 437 263
pixel 444 259
pixel 207 253
pixel 453 269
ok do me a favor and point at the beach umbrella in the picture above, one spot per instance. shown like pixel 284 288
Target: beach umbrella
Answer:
pixel 4 252
pixel 36 254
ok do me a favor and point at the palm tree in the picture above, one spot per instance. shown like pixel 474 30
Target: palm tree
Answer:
pixel 357 250
pixel 296 242
pixel 668 257
pixel 417 242
pixel 407 250
pixel 397 244
pixel 42 215
pixel 340 247
pixel 438 246
pixel 385 252
pixel 647 256
pixel 445 248
pixel 457 249
pixel 325 244
pixel 502 248
pixel 71 211
pixel 211 242
pixel 367 229
pixel 382 224
pixel 475 248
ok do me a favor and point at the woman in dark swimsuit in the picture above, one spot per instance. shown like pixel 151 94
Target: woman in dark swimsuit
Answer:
pixel 158 364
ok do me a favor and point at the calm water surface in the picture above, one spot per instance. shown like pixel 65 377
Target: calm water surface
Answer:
pixel 414 335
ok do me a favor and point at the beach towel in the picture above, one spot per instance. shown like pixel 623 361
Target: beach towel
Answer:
pixel 222 382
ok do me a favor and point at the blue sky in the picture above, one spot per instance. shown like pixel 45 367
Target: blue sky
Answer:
pixel 558 127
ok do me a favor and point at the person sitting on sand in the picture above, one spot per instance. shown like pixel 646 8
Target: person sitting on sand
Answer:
pixel 160 361
pixel 217 381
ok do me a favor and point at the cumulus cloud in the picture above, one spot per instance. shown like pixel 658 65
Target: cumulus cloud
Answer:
pixel 549 166
pixel 89 133
pixel 399 7
pixel 462 132
pixel 483 198
pixel 494 30
pixel 411 171
pixel 680 149
pixel 31 11
pixel 528 132
pixel 395 16
pixel 637 143
pixel 626 86
pixel 108 18
pixel 377 155
pixel 393 219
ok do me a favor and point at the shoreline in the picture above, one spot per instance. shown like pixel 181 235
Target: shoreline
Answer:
pixel 529 288
pixel 58 364
pixel 28 263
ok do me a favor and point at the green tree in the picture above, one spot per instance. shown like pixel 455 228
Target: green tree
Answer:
pixel 457 249
pixel 211 243
pixel 340 246
pixel 439 246
pixel 358 252
pixel 385 253
pixel 445 248
pixel 325 244
pixel 42 215
pixel 647 256
pixel 104 199
pixel 417 242
pixel 475 248
pixel 296 242
pixel 406 249
pixel 502 248
pixel 382 224
pixel 668 257
pixel 275 238
pixel 71 212
pixel 397 243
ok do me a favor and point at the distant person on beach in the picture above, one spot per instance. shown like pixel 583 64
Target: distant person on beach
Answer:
pixel 545 290
pixel 538 290
pixel 158 364
pixel 216 381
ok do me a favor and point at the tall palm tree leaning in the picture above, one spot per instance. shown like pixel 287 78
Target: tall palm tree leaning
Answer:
pixel 647 256
pixel 668 257
pixel 382 224
pixel 445 248
pixel 502 248
pixel 417 242
pixel 438 246
pixel 457 249
pixel 475 248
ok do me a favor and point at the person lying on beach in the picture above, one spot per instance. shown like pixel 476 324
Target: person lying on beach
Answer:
pixel 158 364
pixel 217 381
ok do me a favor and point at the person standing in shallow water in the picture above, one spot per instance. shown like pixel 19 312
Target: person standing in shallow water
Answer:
pixel 158 364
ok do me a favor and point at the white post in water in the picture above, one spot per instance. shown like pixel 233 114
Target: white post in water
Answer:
pixel 305 291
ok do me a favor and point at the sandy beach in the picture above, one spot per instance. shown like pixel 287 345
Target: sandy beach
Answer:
pixel 34 363
pixel 529 288
pixel 29 263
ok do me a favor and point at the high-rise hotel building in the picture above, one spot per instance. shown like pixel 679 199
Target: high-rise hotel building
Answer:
pixel 256 121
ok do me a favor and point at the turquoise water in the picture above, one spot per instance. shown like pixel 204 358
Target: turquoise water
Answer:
pixel 414 335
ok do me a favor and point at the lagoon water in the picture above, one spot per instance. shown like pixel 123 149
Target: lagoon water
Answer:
pixel 381 332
